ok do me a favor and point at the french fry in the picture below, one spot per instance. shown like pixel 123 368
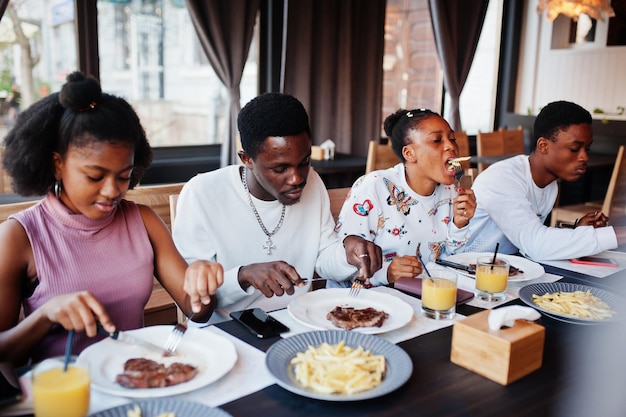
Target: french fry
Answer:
pixel 338 369
pixel 579 304
pixel 136 412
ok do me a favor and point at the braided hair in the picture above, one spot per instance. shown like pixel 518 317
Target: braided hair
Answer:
pixel 80 114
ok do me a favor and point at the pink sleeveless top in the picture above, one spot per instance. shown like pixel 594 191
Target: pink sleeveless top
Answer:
pixel 113 258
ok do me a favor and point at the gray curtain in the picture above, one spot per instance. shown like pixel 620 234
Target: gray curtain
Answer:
pixel 225 29
pixel 3 7
pixel 333 64
pixel 457 25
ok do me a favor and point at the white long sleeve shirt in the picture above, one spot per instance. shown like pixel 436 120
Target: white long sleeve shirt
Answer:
pixel 512 211
pixel 382 208
pixel 214 221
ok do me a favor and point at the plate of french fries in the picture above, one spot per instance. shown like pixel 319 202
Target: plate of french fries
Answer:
pixel 338 365
pixel 574 303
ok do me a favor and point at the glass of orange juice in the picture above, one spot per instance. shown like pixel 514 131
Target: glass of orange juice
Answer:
pixel 491 278
pixel 58 392
pixel 439 294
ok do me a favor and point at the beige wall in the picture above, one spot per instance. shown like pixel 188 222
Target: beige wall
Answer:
pixel 590 75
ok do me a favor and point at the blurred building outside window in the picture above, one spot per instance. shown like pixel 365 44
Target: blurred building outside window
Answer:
pixel 149 54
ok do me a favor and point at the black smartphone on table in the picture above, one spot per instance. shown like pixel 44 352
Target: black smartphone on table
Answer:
pixel 259 322
pixel 10 388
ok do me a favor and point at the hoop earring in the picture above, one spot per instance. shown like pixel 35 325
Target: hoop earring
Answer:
pixel 58 187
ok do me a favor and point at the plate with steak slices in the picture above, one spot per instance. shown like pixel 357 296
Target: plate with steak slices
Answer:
pixel 371 312
pixel 128 370
pixel 521 269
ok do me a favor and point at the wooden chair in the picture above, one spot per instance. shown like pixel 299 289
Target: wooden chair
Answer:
pixel 337 198
pixel 173 203
pixel 612 205
pixel 161 308
pixel 7 209
pixel 499 142
pixel 157 197
pixel 513 140
pixel 488 144
pixel 380 156
pixel 464 150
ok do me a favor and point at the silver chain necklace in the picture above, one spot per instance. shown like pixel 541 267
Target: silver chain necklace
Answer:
pixel 269 245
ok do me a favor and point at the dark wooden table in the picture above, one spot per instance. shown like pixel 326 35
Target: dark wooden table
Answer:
pixel 341 171
pixel 438 387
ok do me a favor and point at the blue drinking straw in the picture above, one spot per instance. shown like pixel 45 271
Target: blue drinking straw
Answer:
pixel 68 349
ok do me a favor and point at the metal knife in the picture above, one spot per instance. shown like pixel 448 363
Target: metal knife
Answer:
pixel 455 265
pixel 133 340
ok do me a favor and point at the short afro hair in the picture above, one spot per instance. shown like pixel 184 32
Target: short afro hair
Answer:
pixel 269 115
pixel 557 116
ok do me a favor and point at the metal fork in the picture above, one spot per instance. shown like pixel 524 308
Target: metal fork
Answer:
pixel 172 342
pixel 357 285
pixel 418 253
pixel 458 174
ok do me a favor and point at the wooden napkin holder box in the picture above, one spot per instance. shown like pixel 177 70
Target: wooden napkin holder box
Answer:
pixel 503 355
pixel 318 153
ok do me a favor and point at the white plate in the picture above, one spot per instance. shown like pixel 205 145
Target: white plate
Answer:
pixel 279 355
pixel 614 301
pixel 150 408
pixel 212 354
pixel 311 308
pixel 531 270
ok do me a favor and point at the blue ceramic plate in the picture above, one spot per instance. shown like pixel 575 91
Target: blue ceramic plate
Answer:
pixel 152 408
pixel 280 354
pixel 614 301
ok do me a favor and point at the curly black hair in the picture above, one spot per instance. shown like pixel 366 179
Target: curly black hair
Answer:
pixel 267 115
pixel 78 115
pixel 398 125
pixel 557 116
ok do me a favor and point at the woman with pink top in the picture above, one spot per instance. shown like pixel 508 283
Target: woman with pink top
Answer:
pixel 84 255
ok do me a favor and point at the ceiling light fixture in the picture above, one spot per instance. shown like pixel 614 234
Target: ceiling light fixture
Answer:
pixel 597 9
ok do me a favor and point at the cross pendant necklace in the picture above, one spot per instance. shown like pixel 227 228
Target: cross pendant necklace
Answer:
pixel 269 245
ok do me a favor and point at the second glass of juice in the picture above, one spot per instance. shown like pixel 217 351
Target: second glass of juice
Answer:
pixel 491 278
pixel 439 294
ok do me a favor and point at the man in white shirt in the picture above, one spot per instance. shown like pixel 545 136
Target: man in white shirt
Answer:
pixel 516 195
pixel 267 222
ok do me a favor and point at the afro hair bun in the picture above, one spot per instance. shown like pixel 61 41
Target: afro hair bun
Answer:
pixel 80 92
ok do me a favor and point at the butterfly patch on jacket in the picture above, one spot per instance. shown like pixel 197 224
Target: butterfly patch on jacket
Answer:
pixel 399 198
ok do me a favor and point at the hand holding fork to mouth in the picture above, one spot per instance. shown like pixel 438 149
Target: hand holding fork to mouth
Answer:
pixel 459 172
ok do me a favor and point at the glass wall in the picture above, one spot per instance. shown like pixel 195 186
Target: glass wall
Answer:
pixel 412 72
pixel 37 49
pixel 149 54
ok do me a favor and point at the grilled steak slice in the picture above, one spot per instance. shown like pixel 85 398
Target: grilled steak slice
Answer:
pixel 180 372
pixel 146 373
pixel 350 318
